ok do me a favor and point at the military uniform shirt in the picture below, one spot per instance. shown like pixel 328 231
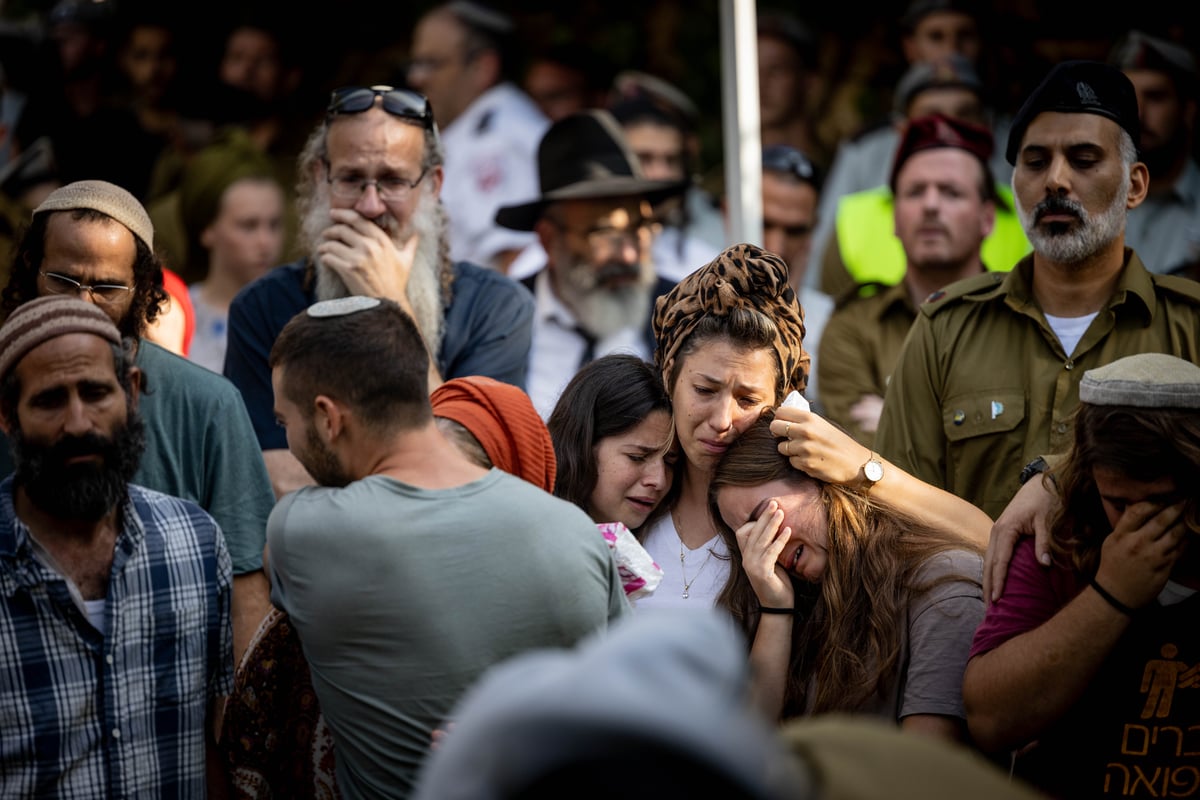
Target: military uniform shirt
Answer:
pixel 858 351
pixel 983 385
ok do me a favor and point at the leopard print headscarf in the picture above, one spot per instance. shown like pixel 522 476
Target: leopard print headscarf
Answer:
pixel 743 276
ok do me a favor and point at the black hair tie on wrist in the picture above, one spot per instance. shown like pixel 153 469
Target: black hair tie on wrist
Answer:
pixel 770 610
pixel 1112 601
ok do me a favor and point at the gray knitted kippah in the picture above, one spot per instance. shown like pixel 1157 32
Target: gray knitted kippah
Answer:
pixel 1146 380
pixel 46 318
pixel 107 198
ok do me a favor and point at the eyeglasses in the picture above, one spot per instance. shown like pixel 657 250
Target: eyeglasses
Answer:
pixel 789 160
pixel 403 103
pixel 390 190
pixel 608 238
pixel 101 293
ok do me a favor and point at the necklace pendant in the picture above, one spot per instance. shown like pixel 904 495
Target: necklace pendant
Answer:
pixel 685 594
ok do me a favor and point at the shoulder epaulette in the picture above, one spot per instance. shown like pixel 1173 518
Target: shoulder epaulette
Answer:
pixel 1178 286
pixel 976 284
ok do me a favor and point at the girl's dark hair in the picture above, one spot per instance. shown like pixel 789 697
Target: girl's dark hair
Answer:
pixel 606 398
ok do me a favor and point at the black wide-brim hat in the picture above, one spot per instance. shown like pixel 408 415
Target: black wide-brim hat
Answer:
pixel 1079 87
pixel 584 156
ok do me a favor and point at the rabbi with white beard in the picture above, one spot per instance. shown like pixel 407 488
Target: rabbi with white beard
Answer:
pixel 373 224
pixel 596 284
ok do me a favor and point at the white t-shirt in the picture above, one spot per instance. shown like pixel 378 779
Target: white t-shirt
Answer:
pixel 705 568
pixel 491 161
pixel 1070 330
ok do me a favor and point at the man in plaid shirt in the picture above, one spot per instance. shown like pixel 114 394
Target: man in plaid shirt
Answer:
pixel 115 635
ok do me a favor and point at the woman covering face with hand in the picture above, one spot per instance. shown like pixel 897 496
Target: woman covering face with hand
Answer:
pixel 850 606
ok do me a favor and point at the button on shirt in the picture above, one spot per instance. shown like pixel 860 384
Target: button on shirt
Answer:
pixel 983 385
pixel 123 713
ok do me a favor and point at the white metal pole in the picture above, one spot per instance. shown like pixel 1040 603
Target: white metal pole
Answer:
pixel 740 120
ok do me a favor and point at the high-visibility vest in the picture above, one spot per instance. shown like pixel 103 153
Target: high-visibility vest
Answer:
pixel 866 237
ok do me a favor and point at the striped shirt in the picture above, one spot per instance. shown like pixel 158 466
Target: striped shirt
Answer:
pixel 120 713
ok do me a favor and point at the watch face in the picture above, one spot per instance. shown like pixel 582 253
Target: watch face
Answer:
pixel 874 470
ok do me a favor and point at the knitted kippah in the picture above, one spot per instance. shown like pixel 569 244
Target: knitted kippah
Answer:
pixel 1146 380
pixel 46 318
pixel 107 198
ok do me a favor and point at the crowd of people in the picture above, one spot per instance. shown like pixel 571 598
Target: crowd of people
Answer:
pixel 482 464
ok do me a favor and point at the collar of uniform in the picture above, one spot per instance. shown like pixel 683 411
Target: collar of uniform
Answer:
pixel 896 298
pixel 1135 285
pixel 472 117
pixel 1134 282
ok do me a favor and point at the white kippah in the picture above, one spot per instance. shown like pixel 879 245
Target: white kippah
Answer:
pixel 1146 380
pixel 342 306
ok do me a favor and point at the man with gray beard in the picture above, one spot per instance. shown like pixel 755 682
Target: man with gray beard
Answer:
pixel 595 284
pixel 372 224
pixel 989 375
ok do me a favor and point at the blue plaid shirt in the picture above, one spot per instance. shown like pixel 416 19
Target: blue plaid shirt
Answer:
pixel 121 713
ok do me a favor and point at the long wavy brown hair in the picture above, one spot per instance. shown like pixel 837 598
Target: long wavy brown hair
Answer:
pixel 1142 444
pixel 846 635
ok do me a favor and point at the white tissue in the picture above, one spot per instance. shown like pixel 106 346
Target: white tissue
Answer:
pixel 796 400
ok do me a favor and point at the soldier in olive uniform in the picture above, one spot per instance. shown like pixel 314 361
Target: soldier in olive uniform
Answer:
pixel 945 207
pixel 990 373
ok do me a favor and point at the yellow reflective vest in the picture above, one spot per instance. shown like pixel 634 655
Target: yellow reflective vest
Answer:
pixel 871 252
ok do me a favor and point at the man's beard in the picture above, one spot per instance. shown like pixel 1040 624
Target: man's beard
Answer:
pixel 1074 246
pixel 84 491
pixel 600 310
pixel 424 291
pixel 320 461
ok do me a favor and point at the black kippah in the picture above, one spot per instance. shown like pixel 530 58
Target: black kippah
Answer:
pixel 1079 87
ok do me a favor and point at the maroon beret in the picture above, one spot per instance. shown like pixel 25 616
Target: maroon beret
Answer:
pixel 938 130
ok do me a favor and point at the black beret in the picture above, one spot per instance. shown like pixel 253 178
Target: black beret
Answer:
pixel 1079 87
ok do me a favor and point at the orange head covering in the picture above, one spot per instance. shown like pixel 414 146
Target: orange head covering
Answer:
pixel 503 419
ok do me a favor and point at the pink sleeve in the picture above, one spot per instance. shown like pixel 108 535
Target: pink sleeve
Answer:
pixel 1032 595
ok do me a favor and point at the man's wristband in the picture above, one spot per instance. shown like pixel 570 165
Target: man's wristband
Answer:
pixel 1112 601
pixel 770 610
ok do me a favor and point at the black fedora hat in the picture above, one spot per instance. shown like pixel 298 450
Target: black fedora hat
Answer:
pixel 584 156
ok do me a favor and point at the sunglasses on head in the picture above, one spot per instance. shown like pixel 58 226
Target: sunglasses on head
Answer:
pixel 789 160
pixel 403 103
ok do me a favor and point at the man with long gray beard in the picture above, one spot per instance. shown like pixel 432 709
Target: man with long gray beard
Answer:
pixel 116 642
pixel 989 375
pixel 373 225
pixel 595 283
